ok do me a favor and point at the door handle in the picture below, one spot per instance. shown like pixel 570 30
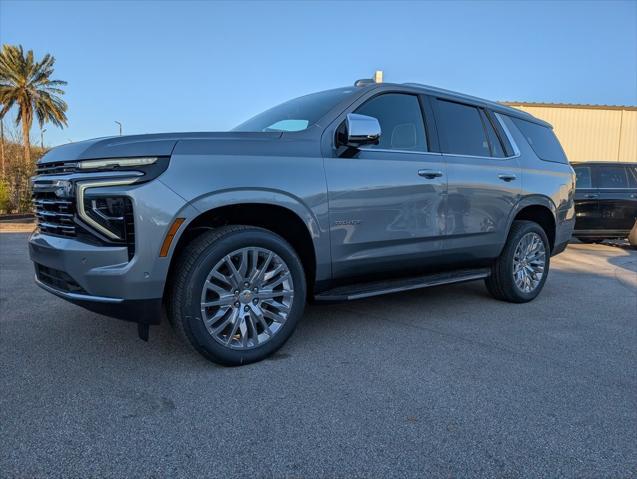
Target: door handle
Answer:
pixel 430 174
pixel 634 195
pixel 591 196
pixel 507 177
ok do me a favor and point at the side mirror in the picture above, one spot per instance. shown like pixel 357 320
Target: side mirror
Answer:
pixel 360 130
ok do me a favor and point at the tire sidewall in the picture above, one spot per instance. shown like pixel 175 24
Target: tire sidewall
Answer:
pixel 191 301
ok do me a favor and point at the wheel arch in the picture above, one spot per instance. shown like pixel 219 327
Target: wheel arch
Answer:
pixel 539 209
pixel 276 212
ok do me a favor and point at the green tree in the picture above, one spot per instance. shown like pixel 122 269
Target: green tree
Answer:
pixel 27 84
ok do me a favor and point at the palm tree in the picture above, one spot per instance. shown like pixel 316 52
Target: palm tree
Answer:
pixel 27 83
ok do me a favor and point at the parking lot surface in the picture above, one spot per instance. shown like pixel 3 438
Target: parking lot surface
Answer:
pixel 442 382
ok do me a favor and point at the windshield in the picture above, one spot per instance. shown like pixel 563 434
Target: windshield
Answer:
pixel 297 114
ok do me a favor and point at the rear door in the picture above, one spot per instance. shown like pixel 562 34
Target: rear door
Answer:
pixel 587 213
pixel 617 197
pixel 484 179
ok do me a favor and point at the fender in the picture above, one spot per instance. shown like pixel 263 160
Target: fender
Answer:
pixel 316 221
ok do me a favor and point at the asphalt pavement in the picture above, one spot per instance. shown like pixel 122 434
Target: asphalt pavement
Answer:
pixel 443 382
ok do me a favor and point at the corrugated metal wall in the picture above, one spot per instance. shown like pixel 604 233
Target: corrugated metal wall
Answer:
pixel 591 134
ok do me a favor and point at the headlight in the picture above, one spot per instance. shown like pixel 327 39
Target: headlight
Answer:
pixel 109 212
pixel 110 163
pixel 106 213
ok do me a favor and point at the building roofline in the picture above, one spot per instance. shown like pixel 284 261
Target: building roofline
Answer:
pixel 581 106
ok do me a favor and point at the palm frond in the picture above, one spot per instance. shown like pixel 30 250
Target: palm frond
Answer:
pixel 27 84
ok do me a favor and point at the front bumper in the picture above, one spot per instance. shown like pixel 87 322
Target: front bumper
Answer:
pixel 103 278
pixel 143 311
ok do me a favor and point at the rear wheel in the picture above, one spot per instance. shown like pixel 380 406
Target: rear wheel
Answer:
pixel 238 294
pixel 519 273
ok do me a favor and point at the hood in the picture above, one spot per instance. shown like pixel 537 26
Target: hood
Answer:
pixel 161 144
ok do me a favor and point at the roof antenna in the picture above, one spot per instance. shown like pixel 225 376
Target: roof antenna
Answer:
pixel 378 78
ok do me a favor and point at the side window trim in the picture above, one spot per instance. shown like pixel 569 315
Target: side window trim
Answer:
pixel 433 141
pixel 499 131
pixel 483 119
pixel 507 133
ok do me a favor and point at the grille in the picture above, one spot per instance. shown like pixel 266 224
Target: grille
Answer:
pixel 129 217
pixel 57 279
pixel 56 168
pixel 54 214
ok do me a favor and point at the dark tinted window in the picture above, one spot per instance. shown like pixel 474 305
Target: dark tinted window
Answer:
pixel 496 146
pixel 612 177
pixel 632 176
pixel 583 174
pixel 400 119
pixel 461 129
pixel 542 140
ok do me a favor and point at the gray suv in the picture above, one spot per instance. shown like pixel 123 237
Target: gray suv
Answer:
pixel 334 196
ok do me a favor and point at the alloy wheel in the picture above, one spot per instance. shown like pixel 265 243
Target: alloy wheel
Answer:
pixel 247 298
pixel 529 262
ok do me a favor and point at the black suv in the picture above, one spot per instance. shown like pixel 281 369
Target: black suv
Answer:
pixel 606 201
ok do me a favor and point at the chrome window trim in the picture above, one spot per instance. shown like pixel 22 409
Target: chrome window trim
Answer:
pixel 389 150
pixel 505 128
pixel 81 190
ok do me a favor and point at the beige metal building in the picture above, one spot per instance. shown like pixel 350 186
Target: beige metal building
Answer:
pixel 590 132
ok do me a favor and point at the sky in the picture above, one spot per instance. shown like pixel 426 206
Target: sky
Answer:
pixel 159 66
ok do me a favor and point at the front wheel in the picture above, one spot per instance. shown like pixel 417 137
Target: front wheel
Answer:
pixel 237 294
pixel 519 273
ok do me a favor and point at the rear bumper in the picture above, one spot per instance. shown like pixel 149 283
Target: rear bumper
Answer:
pixel 563 234
pixel 144 311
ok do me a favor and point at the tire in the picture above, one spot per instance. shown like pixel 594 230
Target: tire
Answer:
pixel 587 240
pixel 501 283
pixel 632 237
pixel 244 339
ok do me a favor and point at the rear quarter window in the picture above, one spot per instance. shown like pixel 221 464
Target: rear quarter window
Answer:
pixel 542 139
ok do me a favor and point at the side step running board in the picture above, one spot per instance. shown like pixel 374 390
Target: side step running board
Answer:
pixel 376 288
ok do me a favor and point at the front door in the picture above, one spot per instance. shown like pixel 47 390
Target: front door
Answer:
pixel 387 202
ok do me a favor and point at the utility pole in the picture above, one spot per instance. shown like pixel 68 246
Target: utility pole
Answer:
pixel 120 127
pixel 42 138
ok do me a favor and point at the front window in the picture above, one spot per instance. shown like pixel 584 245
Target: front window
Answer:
pixel 400 121
pixel 298 114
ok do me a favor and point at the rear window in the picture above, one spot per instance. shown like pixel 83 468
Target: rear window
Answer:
pixel 461 129
pixel 542 140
